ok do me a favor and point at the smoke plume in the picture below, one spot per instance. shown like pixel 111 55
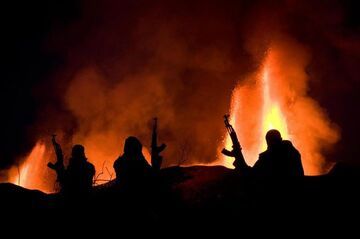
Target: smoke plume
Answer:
pixel 120 63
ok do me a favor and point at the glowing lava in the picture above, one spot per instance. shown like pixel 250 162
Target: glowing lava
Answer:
pixel 272 117
pixel 276 97
pixel 32 172
pixel 245 106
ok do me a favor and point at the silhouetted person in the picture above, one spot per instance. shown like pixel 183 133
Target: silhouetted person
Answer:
pixel 77 178
pixel 134 180
pixel 280 159
pixel 132 166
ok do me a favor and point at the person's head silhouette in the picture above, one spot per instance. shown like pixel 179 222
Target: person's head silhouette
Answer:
pixel 78 151
pixel 78 154
pixel 132 147
pixel 273 138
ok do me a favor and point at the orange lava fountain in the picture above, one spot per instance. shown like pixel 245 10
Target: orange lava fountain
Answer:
pixel 271 116
pixel 32 173
pixel 276 98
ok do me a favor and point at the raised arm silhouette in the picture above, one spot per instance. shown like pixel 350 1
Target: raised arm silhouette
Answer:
pixel 77 178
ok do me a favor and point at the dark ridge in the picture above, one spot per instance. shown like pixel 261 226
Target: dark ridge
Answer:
pixel 204 192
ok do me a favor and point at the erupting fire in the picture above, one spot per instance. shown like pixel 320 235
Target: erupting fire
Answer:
pixel 270 114
pixel 276 98
pixel 32 172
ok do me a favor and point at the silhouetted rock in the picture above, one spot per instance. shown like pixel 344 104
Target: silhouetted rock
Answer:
pixel 16 197
pixel 345 170
pixel 205 193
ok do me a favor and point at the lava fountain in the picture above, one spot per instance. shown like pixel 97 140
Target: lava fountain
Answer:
pixel 32 173
pixel 272 116
pixel 276 97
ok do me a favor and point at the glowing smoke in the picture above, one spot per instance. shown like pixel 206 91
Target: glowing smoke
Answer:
pixel 277 97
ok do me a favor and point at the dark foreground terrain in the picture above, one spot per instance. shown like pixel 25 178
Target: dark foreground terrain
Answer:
pixel 193 195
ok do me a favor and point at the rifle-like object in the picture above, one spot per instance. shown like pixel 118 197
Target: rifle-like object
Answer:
pixel 236 152
pixel 59 165
pixel 156 158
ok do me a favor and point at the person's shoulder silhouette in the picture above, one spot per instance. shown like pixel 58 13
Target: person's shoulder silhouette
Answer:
pixel 132 163
pixel 80 172
pixel 293 159
pixel 280 159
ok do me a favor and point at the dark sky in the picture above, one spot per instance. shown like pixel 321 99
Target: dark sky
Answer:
pixel 45 43
pixel 26 64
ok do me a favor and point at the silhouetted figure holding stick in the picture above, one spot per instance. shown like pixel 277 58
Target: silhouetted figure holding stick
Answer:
pixel 280 159
pixel 136 180
pixel 132 166
pixel 77 178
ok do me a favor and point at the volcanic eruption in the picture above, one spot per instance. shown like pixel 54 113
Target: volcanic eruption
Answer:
pixel 275 97
pixel 120 63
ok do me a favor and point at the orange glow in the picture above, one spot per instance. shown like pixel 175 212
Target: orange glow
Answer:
pixel 32 172
pixel 275 97
pixel 272 116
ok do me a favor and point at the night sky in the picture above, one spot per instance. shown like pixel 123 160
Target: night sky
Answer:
pixel 45 44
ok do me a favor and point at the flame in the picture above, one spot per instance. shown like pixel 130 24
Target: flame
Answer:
pixel 272 116
pixel 34 174
pixel 276 98
pixel 31 173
